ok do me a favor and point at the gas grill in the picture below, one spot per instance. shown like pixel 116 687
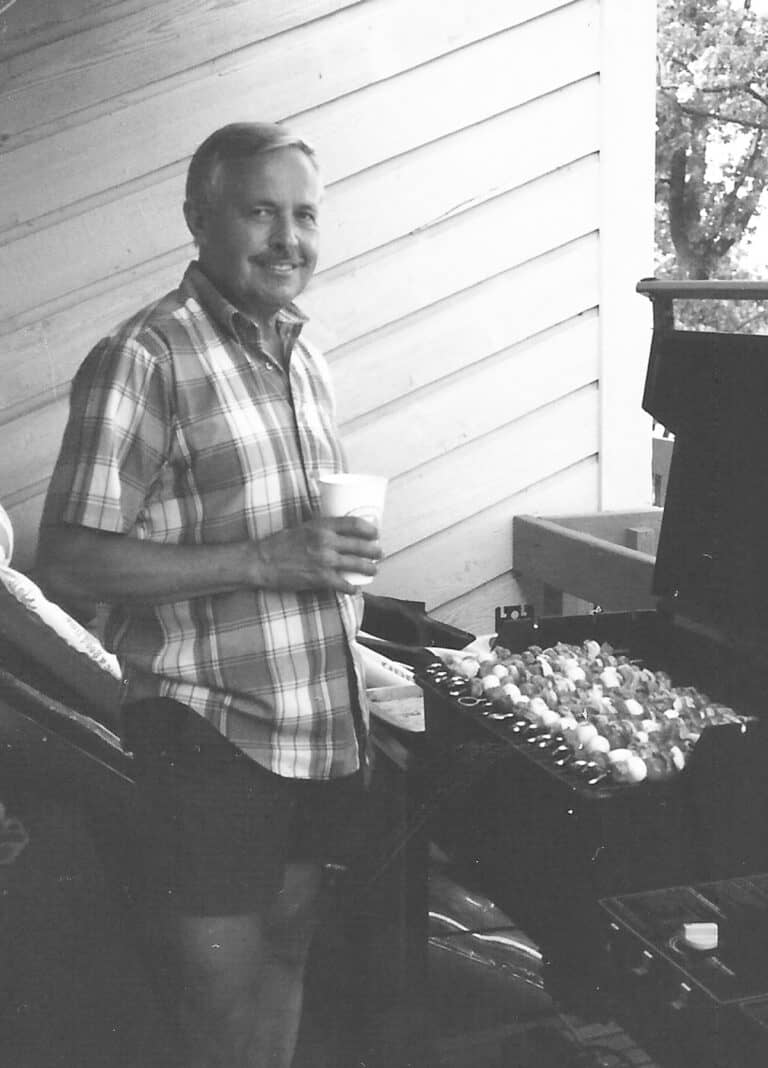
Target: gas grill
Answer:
pixel 547 835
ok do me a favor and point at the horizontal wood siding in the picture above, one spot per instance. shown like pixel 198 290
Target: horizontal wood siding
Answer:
pixel 403 191
pixel 466 406
pixel 135 47
pixel 474 475
pixel 476 549
pixel 366 293
pixel 451 334
pixel 459 285
pixel 283 75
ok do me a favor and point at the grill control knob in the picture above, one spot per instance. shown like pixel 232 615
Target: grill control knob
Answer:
pixel 643 966
pixel 683 997
pixel 700 935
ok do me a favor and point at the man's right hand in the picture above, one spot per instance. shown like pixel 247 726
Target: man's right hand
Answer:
pixel 77 564
pixel 314 555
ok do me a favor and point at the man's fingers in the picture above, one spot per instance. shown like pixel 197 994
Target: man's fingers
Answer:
pixel 362 564
pixel 368 550
pixel 354 527
pixel 350 536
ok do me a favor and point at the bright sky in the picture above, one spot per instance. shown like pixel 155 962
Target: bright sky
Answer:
pixel 756 253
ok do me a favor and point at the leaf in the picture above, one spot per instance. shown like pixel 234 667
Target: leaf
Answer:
pixel 712 132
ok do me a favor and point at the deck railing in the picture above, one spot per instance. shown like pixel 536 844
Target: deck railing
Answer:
pixel 664 292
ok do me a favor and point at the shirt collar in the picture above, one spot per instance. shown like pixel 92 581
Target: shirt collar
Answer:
pixel 289 323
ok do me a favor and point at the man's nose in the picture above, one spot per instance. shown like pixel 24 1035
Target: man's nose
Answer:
pixel 283 233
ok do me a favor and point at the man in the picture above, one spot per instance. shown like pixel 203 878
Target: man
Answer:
pixel 185 497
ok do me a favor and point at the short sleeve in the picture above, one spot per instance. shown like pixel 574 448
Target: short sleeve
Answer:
pixel 117 437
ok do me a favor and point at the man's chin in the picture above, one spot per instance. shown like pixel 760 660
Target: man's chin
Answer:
pixel 278 293
pixel 264 305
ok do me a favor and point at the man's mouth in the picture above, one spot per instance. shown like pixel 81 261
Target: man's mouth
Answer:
pixel 279 266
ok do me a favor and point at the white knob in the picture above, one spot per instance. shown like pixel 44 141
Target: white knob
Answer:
pixel 700 935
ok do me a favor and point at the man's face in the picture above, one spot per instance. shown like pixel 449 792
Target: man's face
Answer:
pixel 258 239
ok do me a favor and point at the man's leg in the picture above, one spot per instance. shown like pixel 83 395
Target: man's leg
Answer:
pixel 216 966
pixel 241 978
pixel 288 936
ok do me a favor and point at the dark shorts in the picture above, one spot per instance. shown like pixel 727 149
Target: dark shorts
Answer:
pixel 213 829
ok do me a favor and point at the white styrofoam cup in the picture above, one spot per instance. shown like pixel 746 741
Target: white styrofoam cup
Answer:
pixel 356 495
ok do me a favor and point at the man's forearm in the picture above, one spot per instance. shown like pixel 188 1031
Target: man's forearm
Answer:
pixel 78 564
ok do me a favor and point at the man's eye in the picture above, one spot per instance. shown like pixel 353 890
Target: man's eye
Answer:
pixel 307 216
pixel 261 213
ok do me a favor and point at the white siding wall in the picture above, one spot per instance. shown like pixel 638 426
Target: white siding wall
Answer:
pixel 459 290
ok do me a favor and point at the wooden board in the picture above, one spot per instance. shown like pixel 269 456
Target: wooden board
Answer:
pixel 449 252
pixel 30 447
pixel 604 573
pixel 34 23
pixel 433 100
pixel 41 356
pixel 130 47
pixel 415 510
pixel 31 442
pixel 39 267
pixel 43 352
pixel 451 334
pixel 628 79
pixel 387 284
pixel 455 173
pixel 478 549
pixel 24 501
pixel 346 302
pixel 465 407
pixel 475 610
pixel 619 528
pixel 282 76
pixel 478 475
pixel 125 50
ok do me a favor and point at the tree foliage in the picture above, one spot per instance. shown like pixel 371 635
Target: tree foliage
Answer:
pixel 712 135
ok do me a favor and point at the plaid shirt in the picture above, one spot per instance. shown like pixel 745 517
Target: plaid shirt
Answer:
pixel 182 430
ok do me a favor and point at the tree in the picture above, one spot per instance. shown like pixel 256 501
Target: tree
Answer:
pixel 712 134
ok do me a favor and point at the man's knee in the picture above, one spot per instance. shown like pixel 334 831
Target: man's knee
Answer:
pixel 293 918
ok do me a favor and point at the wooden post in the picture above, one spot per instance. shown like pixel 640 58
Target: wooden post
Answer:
pixel 641 538
pixel 627 102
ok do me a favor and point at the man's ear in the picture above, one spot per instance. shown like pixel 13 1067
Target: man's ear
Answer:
pixel 195 218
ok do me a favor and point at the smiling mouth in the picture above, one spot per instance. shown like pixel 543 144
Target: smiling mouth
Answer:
pixel 280 268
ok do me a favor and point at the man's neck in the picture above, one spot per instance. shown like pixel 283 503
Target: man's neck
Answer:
pixel 265 319
pixel 272 343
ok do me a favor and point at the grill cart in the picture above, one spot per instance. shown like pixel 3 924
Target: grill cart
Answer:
pixel 548 833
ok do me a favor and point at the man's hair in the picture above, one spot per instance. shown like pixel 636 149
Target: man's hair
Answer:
pixel 232 143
